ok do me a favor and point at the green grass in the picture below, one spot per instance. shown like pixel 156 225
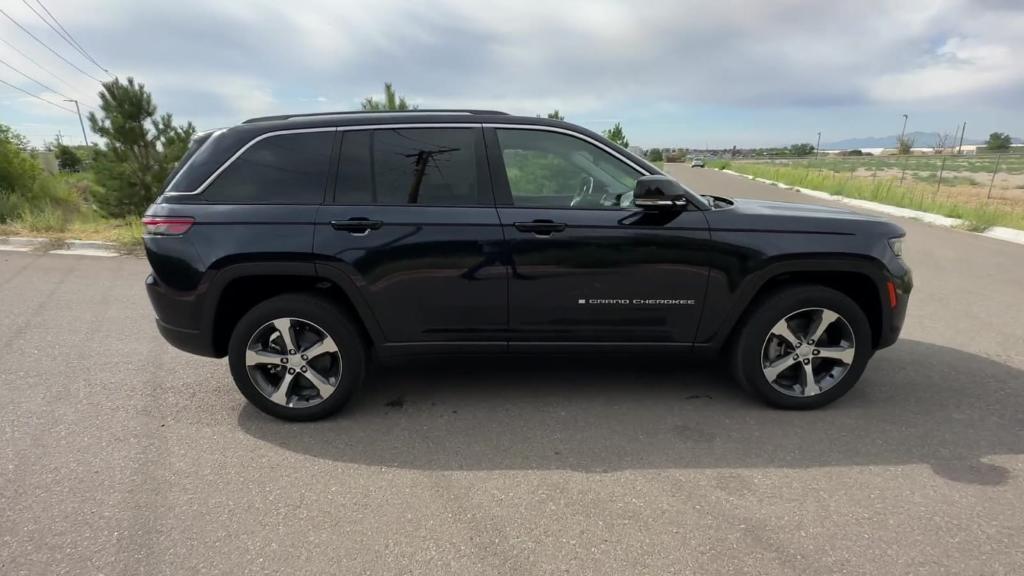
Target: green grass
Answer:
pixel 59 207
pixel 978 215
pixel 125 232
pixel 947 180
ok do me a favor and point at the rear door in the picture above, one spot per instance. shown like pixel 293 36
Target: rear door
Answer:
pixel 412 224
pixel 586 265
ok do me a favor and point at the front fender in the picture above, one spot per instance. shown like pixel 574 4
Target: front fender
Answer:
pixel 729 294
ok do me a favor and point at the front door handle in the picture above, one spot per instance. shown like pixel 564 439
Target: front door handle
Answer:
pixel 356 226
pixel 540 227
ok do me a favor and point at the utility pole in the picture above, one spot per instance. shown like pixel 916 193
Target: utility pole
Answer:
pixel 80 123
pixel 60 142
pixel 961 145
pixel 817 147
pixel 903 132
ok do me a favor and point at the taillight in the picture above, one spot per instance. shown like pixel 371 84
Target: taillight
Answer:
pixel 166 225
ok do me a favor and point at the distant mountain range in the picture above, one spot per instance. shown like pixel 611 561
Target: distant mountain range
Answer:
pixel 921 139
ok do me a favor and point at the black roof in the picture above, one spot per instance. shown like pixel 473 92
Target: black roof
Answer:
pixel 256 126
pixel 446 111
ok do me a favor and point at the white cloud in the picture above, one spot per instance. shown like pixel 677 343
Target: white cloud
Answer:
pixel 960 67
pixel 219 62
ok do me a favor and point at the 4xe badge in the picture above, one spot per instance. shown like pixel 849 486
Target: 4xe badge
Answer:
pixel 636 301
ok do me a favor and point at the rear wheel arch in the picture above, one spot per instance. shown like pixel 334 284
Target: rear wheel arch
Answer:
pixel 241 292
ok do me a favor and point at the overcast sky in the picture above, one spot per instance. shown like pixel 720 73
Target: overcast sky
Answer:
pixel 675 73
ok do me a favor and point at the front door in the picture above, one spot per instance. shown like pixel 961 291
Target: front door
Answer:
pixel 413 225
pixel 585 265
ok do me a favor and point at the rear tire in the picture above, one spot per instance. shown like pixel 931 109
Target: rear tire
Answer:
pixel 309 374
pixel 808 367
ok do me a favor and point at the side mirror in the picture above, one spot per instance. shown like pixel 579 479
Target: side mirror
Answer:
pixel 659 193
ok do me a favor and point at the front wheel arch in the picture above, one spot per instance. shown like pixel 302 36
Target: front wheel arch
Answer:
pixel 859 279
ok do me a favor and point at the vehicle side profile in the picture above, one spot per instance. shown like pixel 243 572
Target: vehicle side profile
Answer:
pixel 303 246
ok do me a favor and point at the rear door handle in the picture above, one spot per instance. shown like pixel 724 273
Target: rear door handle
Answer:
pixel 356 226
pixel 540 227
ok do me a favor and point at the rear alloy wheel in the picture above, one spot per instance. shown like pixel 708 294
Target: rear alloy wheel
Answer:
pixel 297 357
pixel 293 362
pixel 802 347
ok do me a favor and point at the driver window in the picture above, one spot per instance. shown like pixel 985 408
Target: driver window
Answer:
pixel 548 169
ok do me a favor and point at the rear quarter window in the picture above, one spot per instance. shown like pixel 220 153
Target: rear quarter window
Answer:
pixel 278 169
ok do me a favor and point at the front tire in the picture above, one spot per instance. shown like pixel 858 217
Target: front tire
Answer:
pixel 297 357
pixel 802 347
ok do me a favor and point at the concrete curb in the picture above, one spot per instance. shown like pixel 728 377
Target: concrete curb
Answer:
pixel 997 232
pixel 22 244
pixel 1003 233
pixel 71 247
pixel 88 248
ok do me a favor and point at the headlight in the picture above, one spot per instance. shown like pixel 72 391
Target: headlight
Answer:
pixel 897 246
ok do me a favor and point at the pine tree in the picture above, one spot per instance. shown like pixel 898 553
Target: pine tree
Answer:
pixel 140 148
pixel 617 135
pixel 391 101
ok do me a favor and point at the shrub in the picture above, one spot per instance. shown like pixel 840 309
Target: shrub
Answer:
pixel 18 173
pixel 67 159
pixel 51 206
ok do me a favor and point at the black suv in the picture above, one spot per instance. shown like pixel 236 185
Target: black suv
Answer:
pixel 300 245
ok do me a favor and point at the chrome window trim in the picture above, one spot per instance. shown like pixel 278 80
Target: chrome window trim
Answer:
pixel 583 137
pixel 216 132
pixel 235 156
pixel 467 125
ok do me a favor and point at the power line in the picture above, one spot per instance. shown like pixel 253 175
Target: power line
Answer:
pixel 63 34
pixel 45 45
pixel 70 37
pixel 37 97
pixel 45 87
pixel 38 65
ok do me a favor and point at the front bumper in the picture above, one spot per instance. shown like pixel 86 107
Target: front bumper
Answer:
pixel 894 316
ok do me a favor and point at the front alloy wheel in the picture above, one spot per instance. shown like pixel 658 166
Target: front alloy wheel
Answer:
pixel 802 346
pixel 808 352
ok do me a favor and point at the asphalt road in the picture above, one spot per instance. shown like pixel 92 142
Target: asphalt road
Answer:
pixel 120 455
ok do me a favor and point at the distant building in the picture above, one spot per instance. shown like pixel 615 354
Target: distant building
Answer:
pixel 48 160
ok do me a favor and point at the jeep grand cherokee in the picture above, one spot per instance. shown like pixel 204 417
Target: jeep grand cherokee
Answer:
pixel 301 246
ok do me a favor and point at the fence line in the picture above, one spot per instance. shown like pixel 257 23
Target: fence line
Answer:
pixel 1011 163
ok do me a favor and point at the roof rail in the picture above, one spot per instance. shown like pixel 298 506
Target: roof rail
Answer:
pixel 357 112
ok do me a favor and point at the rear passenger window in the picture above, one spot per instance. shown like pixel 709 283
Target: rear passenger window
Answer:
pixel 282 169
pixel 433 166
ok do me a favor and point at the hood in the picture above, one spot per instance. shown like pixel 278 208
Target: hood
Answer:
pixel 771 208
pixel 785 216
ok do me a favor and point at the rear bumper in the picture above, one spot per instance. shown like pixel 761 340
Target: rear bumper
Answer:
pixel 191 341
pixel 176 322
